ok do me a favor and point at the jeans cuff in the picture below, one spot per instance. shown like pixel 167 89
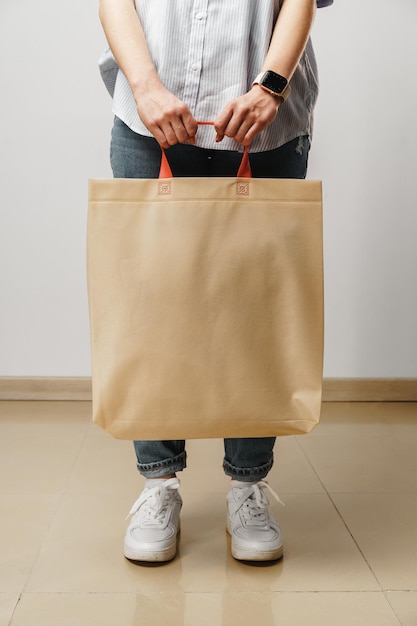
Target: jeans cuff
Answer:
pixel 247 474
pixel 165 467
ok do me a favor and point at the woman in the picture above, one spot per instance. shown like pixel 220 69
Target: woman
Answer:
pixel 248 67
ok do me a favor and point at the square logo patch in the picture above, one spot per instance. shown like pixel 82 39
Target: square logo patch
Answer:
pixel 242 188
pixel 164 188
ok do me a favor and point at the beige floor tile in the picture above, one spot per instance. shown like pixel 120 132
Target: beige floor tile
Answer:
pixel 207 453
pixel 385 528
pixel 8 603
pixel 204 470
pixel 305 609
pixel 146 609
pixel 45 412
pixel 181 609
pixel 246 609
pixel 83 548
pixel 105 466
pixel 319 553
pixel 24 522
pixel 374 418
pixel 292 472
pixel 364 462
pixel 83 551
pixel 66 487
pixel 332 609
pixel 38 458
pixel 205 609
pixel 228 609
pixel 66 609
pixel 404 603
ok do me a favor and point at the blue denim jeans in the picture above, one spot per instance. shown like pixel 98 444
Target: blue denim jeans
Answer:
pixel 136 156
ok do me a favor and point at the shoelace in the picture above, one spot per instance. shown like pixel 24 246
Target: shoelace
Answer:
pixel 155 501
pixel 254 504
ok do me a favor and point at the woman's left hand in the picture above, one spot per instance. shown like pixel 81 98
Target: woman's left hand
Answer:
pixel 245 117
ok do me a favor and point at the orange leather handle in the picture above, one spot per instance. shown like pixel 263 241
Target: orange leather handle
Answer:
pixel 243 172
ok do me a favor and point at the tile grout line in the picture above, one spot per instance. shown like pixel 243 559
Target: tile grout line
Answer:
pixel 77 456
pixel 60 497
pixel 339 514
pixel 10 622
pixel 392 608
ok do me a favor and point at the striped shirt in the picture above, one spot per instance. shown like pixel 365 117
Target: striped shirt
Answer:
pixel 208 52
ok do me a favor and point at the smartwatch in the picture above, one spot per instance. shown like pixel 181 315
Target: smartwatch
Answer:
pixel 274 83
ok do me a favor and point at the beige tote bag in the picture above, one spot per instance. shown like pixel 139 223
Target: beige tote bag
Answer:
pixel 206 306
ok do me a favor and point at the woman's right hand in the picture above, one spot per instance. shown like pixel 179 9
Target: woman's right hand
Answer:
pixel 165 116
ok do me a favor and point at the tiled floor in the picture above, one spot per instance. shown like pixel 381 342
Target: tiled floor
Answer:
pixel 350 527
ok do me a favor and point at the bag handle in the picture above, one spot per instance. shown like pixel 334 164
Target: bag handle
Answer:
pixel 243 172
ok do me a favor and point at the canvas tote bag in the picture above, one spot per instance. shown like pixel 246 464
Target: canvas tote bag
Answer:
pixel 206 306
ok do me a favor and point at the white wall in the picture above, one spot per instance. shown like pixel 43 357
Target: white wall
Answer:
pixel 365 151
pixel 56 121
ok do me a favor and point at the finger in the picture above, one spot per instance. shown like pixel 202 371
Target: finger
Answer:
pixel 173 125
pixel 184 130
pixel 160 137
pixel 221 123
pixel 238 125
pixel 247 133
pixel 191 126
pixel 170 135
pixel 175 132
pixel 179 133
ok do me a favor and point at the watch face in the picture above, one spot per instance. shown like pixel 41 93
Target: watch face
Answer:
pixel 274 82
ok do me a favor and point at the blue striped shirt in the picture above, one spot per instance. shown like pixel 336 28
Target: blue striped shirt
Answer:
pixel 208 52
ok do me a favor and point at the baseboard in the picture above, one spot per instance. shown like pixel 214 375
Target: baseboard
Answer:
pixel 45 388
pixel 370 390
pixel 334 389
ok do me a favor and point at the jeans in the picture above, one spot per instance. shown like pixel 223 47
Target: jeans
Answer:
pixel 136 156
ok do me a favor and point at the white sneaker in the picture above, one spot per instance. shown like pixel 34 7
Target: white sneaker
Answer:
pixel 256 535
pixel 155 521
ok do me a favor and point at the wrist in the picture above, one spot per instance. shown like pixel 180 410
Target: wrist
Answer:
pixel 272 97
pixel 146 82
pixel 273 83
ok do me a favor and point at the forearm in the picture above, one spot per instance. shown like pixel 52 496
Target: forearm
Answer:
pixel 253 112
pixel 290 36
pixel 126 39
pixel 167 118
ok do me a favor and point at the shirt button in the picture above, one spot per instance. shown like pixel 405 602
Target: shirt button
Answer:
pixel 194 66
pixel 199 16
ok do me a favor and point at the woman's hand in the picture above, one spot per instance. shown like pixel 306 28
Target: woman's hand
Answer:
pixel 168 119
pixel 245 117
pixel 165 116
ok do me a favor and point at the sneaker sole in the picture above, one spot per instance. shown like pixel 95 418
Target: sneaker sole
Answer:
pixel 240 554
pixel 152 556
pixel 160 556
pixel 249 554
